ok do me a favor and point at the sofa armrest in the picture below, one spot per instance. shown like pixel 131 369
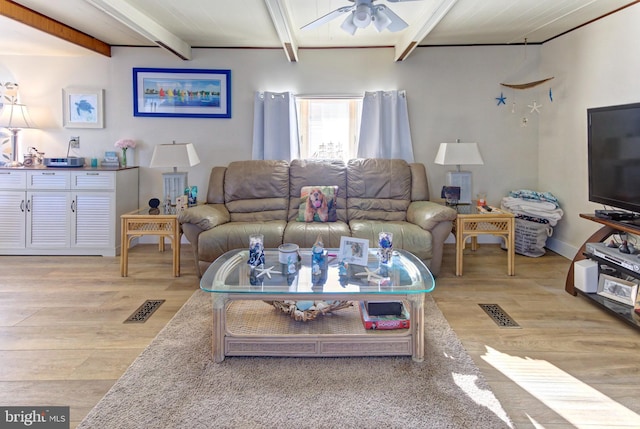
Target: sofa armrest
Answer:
pixel 205 216
pixel 427 214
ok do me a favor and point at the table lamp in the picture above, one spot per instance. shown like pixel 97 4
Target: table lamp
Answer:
pixel 459 154
pixel 174 155
pixel 15 117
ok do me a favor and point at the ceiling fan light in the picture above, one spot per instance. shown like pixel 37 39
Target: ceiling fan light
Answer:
pixel 348 25
pixel 362 15
pixel 380 20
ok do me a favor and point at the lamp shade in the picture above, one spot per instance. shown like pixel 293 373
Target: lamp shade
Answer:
pixel 15 117
pixel 458 154
pixel 174 155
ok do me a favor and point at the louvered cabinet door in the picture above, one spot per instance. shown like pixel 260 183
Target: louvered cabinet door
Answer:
pixel 12 219
pixel 93 220
pixel 48 220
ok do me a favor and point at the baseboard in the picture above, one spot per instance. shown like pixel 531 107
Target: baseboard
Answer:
pixel 561 248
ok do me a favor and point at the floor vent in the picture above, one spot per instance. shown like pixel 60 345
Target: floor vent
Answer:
pixel 145 311
pixel 499 316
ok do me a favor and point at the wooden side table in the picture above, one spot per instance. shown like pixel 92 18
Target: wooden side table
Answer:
pixel 150 222
pixel 473 221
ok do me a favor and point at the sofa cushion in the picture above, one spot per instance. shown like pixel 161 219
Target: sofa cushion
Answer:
pixel 257 190
pixel 378 189
pixel 235 235
pixel 305 234
pixel 318 204
pixel 406 235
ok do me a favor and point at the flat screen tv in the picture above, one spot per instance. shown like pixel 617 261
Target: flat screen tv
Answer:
pixel 614 156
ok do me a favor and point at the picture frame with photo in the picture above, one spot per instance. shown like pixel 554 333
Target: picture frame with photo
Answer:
pixel 82 108
pixel 622 291
pixel 354 250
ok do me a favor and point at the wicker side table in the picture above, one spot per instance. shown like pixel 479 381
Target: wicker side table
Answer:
pixel 473 221
pixel 150 222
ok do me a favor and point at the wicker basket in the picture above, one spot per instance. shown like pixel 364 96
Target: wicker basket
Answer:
pixel 319 308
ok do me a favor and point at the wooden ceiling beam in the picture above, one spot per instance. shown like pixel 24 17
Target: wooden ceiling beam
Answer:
pixel 50 26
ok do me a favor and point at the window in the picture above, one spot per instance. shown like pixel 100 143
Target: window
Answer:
pixel 329 127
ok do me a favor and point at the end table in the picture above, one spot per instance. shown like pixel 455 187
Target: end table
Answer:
pixel 473 221
pixel 150 222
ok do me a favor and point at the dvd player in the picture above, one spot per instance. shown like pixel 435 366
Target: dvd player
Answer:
pixel 71 161
pixel 613 255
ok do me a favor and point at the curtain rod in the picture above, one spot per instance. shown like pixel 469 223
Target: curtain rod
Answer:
pixel 333 96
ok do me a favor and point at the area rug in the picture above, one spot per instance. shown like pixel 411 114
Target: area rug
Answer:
pixel 175 384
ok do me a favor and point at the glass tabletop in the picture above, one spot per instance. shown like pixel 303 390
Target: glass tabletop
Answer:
pixel 230 273
pixel 160 211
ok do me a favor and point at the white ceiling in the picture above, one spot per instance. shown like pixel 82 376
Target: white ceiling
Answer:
pixel 248 23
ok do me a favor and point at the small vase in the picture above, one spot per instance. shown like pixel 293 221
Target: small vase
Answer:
pixel 124 157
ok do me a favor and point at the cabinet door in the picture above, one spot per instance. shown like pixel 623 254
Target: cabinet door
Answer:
pixel 48 220
pixel 93 219
pixel 12 219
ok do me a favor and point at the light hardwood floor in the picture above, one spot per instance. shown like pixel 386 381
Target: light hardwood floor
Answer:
pixel 570 364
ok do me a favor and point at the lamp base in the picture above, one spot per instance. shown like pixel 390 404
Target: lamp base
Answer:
pixel 174 184
pixel 463 180
pixel 13 164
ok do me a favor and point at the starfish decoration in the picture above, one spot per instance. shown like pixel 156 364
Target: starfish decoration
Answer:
pixel 371 275
pixel 535 107
pixel 268 272
pixel 502 99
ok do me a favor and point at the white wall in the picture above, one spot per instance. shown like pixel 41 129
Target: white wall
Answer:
pixel 597 65
pixel 451 94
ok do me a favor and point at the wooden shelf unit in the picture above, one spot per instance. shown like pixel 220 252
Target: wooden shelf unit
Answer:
pixel 609 228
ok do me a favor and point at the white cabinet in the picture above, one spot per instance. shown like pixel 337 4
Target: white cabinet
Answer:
pixel 64 212
pixel 13 206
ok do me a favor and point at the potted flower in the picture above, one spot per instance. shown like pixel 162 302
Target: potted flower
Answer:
pixel 125 144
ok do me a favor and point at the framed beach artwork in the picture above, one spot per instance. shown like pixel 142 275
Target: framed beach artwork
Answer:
pixel 182 93
pixel 83 108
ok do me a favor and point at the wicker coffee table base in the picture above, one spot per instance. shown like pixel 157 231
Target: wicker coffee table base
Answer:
pixel 244 325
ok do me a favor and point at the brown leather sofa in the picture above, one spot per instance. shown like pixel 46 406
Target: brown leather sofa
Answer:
pixel 263 197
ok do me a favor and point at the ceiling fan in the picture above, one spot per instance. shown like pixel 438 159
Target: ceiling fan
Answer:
pixel 362 13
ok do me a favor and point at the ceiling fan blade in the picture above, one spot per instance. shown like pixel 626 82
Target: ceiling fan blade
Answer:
pixel 328 17
pixel 397 23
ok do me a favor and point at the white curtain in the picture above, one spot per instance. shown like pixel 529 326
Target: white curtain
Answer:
pixel 275 126
pixel 384 127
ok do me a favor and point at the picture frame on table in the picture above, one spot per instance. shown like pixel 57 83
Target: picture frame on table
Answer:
pixel 182 93
pixel 82 108
pixel 354 250
pixel 622 291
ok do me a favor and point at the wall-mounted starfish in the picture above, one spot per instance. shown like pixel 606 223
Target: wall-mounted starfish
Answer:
pixel 502 99
pixel 535 107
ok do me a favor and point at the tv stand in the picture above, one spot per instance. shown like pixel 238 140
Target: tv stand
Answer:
pixel 609 228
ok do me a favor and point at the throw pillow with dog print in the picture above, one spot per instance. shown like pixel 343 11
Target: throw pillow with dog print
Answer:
pixel 318 204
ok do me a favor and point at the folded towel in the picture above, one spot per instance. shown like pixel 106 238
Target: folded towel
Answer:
pixel 540 209
pixel 527 194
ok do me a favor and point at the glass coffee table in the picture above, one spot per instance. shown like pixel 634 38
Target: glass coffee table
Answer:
pixel 245 326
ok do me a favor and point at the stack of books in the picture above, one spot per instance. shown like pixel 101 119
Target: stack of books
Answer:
pixel 398 319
